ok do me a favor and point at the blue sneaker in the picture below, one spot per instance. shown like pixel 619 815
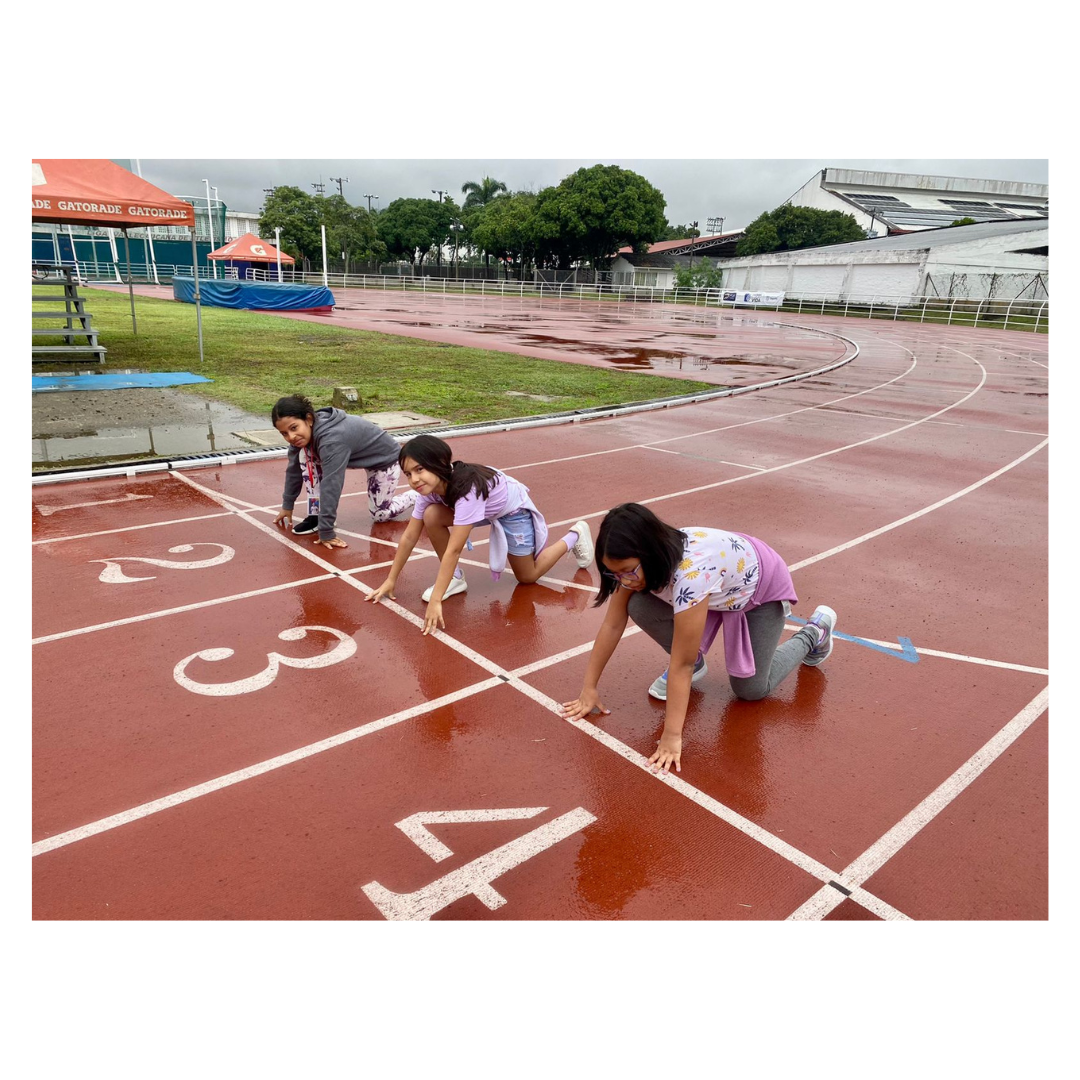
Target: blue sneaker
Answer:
pixel 658 689
pixel 824 622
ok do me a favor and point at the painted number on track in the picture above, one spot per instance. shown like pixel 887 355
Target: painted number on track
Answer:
pixel 114 575
pixel 341 651
pixel 474 877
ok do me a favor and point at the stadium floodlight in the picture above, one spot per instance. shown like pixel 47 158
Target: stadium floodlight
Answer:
pixel 369 198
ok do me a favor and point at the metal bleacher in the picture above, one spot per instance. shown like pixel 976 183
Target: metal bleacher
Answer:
pixel 61 303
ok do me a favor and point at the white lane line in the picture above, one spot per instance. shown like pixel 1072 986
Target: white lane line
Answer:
pixel 674 781
pixel 131 528
pixel 726 427
pixel 905 830
pixel 178 610
pixel 439 635
pixel 566 654
pixel 824 453
pixel 918 513
pixel 197 791
pixel 962 657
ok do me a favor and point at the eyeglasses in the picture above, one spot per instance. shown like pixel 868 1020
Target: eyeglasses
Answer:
pixel 622 575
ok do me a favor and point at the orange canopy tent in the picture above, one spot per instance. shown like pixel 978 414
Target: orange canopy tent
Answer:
pixel 96 191
pixel 250 249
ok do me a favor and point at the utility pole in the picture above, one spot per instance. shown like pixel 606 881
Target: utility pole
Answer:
pixel 694 228
pixel 319 187
pixel 339 180
pixel 436 191
pixel 369 198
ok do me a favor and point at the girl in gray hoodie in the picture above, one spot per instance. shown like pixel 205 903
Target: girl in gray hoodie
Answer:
pixel 323 443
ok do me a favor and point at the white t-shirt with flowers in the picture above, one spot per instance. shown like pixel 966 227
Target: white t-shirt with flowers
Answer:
pixel 717 564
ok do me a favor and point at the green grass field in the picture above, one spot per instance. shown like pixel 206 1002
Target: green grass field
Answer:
pixel 253 359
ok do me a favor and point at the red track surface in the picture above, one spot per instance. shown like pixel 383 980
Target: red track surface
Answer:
pixel 907 489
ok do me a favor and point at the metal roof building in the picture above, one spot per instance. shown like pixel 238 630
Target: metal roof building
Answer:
pixel 1003 259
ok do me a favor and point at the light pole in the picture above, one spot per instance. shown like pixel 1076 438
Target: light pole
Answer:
pixel 277 244
pixel 369 198
pixel 694 229
pixel 715 224
pixel 210 224
pixel 339 180
pixel 436 191
pixel 457 227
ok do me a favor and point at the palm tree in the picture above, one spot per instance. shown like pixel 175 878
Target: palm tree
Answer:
pixel 478 195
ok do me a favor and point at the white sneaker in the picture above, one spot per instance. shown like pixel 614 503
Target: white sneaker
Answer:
pixel 583 550
pixel 458 584
pixel 658 689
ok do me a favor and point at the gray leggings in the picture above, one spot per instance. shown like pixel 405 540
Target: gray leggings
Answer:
pixel 772 663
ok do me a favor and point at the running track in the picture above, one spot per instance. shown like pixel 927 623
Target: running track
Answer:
pixel 198 755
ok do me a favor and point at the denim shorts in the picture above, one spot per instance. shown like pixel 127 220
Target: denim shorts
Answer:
pixel 520 535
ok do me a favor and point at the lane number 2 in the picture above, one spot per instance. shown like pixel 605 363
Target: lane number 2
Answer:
pixel 114 575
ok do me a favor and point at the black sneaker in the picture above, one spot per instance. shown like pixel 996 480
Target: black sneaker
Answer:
pixel 310 524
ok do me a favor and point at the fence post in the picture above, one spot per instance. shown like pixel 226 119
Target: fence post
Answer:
pixel 1008 312
pixel 1038 316
pixel 951 308
pixel 896 311
pixel 978 312
pixel 872 299
pixel 922 314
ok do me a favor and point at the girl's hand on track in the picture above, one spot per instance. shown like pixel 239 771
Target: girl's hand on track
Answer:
pixel 284 519
pixel 333 542
pixel 589 700
pixel 668 753
pixel 433 617
pixel 385 589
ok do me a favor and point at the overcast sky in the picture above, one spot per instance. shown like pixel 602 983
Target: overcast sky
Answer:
pixel 736 189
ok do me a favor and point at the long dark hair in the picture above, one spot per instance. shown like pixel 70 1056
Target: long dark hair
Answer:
pixel 295 405
pixel 460 477
pixel 633 531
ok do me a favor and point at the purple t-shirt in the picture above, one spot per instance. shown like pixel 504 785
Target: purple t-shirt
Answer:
pixel 504 497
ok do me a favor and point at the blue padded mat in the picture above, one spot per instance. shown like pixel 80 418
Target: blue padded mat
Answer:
pixel 114 380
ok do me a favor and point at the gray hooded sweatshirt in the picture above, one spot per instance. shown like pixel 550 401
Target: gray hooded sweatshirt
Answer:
pixel 341 442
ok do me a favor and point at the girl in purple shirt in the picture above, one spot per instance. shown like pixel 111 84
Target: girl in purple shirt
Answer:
pixel 452 498
pixel 680 586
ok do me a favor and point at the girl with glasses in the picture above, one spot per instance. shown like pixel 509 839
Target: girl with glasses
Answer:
pixel 680 586
pixel 452 498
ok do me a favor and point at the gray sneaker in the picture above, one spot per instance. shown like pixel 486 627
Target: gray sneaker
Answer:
pixel 658 689
pixel 824 622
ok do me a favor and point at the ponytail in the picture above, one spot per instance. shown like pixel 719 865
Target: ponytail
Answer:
pixel 460 477
pixel 466 477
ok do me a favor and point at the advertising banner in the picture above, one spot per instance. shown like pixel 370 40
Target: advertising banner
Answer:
pixel 739 296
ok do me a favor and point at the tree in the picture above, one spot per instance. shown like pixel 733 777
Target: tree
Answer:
pixel 478 195
pixel 702 275
pixel 678 232
pixel 411 228
pixel 350 230
pixel 504 227
pixel 788 228
pixel 297 214
pixel 594 212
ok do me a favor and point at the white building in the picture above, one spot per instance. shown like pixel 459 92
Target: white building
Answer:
pixel 1005 259
pixel 889 203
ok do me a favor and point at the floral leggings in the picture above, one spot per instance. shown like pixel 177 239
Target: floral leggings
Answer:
pixel 382 502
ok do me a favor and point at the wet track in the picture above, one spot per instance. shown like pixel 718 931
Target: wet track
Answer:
pixel 237 735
